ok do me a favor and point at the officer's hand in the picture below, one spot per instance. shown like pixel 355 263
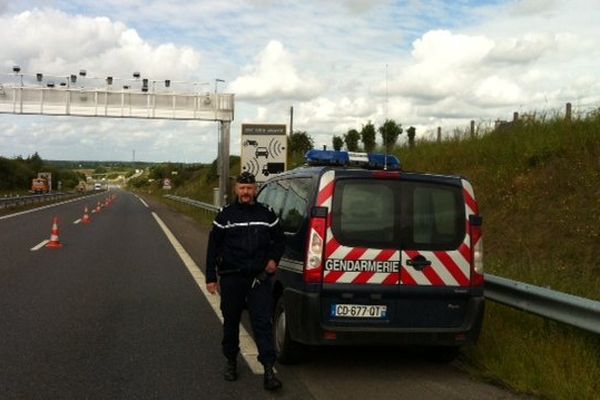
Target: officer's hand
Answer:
pixel 212 287
pixel 271 267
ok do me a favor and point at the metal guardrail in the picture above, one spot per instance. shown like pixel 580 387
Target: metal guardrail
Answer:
pixel 16 201
pixel 572 310
pixel 192 202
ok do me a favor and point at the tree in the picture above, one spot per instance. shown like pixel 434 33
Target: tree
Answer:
pixel 299 143
pixel 351 139
pixel 35 162
pixel 338 142
pixel 367 134
pixel 411 132
pixel 389 133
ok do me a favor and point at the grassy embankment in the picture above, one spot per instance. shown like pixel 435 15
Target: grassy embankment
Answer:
pixel 538 188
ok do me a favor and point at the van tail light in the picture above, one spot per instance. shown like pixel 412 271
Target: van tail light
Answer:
pixel 475 222
pixel 313 267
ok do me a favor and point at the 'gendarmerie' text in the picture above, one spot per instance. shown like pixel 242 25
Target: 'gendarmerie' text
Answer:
pixel 362 266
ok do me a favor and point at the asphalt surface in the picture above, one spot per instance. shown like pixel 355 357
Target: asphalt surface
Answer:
pixel 115 314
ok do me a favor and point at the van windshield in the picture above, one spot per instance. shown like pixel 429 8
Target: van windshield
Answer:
pixel 398 214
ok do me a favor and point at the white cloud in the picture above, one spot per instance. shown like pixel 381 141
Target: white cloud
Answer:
pixel 526 49
pixel 497 91
pixel 57 43
pixel 442 63
pixel 273 75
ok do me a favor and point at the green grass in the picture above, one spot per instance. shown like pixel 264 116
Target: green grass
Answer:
pixel 201 216
pixel 534 355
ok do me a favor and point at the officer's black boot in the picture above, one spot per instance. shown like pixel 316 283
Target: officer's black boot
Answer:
pixel 230 373
pixel 271 382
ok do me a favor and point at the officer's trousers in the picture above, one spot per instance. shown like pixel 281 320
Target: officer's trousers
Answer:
pixel 237 293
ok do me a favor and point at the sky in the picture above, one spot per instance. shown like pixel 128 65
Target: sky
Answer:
pixel 339 64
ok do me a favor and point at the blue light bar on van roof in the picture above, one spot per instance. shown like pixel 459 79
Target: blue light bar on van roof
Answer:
pixel 346 159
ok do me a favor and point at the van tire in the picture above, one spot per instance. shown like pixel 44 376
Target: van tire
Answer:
pixel 288 351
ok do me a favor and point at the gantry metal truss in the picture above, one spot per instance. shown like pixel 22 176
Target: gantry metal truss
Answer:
pixel 125 103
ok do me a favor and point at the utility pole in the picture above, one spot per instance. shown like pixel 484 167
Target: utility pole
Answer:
pixel 223 129
pixel 291 120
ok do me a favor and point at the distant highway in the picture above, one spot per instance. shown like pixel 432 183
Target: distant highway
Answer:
pixel 116 314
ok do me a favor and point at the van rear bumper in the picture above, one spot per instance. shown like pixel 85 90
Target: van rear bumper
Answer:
pixel 307 325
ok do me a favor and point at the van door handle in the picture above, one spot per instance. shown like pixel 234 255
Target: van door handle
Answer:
pixel 419 263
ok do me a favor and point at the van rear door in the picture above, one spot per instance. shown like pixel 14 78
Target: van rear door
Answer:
pixel 397 250
pixel 397 231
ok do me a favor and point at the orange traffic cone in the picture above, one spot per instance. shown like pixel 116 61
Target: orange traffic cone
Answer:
pixel 98 208
pixel 54 243
pixel 86 217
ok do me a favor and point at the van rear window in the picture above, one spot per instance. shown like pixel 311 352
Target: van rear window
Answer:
pixel 398 214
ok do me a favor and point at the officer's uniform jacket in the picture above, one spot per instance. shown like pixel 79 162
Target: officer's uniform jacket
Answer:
pixel 243 239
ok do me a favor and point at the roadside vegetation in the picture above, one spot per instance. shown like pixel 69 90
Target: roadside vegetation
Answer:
pixel 16 175
pixel 537 183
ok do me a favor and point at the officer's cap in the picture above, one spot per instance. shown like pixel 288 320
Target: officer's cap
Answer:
pixel 246 177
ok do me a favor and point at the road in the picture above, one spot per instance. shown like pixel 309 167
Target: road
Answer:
pixel 116 314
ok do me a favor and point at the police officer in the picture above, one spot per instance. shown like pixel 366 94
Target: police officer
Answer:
pixel 244 248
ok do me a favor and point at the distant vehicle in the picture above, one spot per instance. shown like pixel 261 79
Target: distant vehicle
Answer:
pixel 40 185
pixel 81 187
pixel 97 186
pixel 261 151
pixel 250 143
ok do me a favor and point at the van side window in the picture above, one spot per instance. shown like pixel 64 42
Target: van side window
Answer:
pixel 364 212
pixel 295 207
pixel 263 196
pixel 435 216
pixel 274 195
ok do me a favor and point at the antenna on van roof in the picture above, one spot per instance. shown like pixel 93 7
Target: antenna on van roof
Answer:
pixel 386 117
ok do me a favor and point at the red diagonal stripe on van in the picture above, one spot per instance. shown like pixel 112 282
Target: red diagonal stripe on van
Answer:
pixel 385 255
pixel 465 251
pixel 355 253
pixel 331 247
pixel 406 279
pixel 363 277
pixel 451 266
pixel 332 276
pixel 392 279
pixel 325 194
pixel 470 201
pixel 432 276
pixel 411 253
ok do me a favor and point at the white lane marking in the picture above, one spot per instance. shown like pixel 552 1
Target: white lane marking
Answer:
pixel 39 246
pixel 77 221
pixel 143 202
pixel 247 345
pixel 47 206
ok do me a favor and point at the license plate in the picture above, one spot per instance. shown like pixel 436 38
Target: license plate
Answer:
pixel 358 311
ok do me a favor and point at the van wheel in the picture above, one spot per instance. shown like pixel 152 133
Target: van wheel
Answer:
pixel 288 351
